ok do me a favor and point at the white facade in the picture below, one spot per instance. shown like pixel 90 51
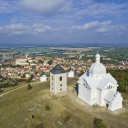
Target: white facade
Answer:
pixel 58 80
pixel 98 87
pixel 43 78
pixel 71 73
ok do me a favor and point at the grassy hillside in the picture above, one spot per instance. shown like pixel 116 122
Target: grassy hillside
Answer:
pixel 38 108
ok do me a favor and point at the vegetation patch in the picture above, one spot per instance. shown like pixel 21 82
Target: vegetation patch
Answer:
pixel 47 107
pixel 67 118
pixel 29 87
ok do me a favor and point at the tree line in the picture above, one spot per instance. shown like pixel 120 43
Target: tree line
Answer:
pixel 122 78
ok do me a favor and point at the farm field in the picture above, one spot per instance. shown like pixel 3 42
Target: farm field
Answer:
pixel 71 50
pixel 38 108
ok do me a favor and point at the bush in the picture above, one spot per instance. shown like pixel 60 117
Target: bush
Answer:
pixel 29 87
pixel 47 107
pixel 98 123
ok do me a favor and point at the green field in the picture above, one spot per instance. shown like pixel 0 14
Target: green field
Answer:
pixel 32 49
pixel 38 108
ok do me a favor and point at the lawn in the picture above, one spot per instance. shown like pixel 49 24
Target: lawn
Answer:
pixel 38 108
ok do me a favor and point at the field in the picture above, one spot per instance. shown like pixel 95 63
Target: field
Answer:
pixel 71 50
pixel 33 49
pixel 38 108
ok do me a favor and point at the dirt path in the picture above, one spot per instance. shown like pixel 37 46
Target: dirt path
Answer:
pixel 12 90
pixel 15 89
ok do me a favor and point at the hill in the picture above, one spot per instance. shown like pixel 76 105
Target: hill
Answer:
pixel 38 108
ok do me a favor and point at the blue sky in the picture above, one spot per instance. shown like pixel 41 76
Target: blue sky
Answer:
pixel 63 21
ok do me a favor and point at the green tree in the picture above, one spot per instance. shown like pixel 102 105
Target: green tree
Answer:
pixel 29 87
pixel 50 62
pixel 41 61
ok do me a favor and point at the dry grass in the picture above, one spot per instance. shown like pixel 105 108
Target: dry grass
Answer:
pixel 38 108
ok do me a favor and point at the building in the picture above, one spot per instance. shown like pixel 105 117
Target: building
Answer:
pixel 71 73
pixel 43 78
pixel 22 61
pixel 98 87
pixel 58 79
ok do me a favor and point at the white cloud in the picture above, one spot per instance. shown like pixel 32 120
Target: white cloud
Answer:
pixel 97 9
pixel 45 6
pixel 111 28
pixel 99 27
pixel 40 28
pixel 19 29
pixel 6 6
pixel 14 29
pixel 86 25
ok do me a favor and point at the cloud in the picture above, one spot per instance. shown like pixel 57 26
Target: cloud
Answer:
pixel 111 28
pixel 97 27
pixel 99 9
pixel 20 29
pixel 86 25
pixel 14 29
pixel 45 6
pixel 40 28
pixel 91 25
pixel 6 6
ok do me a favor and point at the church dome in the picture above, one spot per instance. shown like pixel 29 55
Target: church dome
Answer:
pixel 97 67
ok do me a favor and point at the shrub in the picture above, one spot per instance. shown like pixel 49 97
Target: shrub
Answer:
pixel 47 107
pixel 29 87
pixel 98 123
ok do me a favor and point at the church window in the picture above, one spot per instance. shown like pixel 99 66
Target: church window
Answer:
pixel 61 89
pixel 109 87
pixel 52 77
pixel 61 78
pixel 60 84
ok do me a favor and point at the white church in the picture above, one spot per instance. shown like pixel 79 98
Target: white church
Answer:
pixel 98 87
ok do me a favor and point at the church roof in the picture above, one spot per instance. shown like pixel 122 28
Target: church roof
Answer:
pixel 92 83
pixel 57 69
pixel 103 83
pixel 110 96
pixel 97 83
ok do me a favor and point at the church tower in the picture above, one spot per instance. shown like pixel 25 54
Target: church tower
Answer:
pixel 58 79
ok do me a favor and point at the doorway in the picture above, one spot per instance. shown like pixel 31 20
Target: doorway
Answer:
pixel 107 105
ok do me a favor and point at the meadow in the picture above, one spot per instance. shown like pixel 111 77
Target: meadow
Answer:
pixel 39 108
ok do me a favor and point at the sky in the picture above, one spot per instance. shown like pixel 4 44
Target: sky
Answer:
pixel 63 21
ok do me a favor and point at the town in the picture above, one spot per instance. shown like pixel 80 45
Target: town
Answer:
pixel 21 66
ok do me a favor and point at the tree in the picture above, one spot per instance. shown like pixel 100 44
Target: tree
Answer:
pixel 23 76
pixel 41 61
pixel 50 62
pixel 81 73
pixel 29 87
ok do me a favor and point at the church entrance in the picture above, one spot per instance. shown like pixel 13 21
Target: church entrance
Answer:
pixel 107 105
